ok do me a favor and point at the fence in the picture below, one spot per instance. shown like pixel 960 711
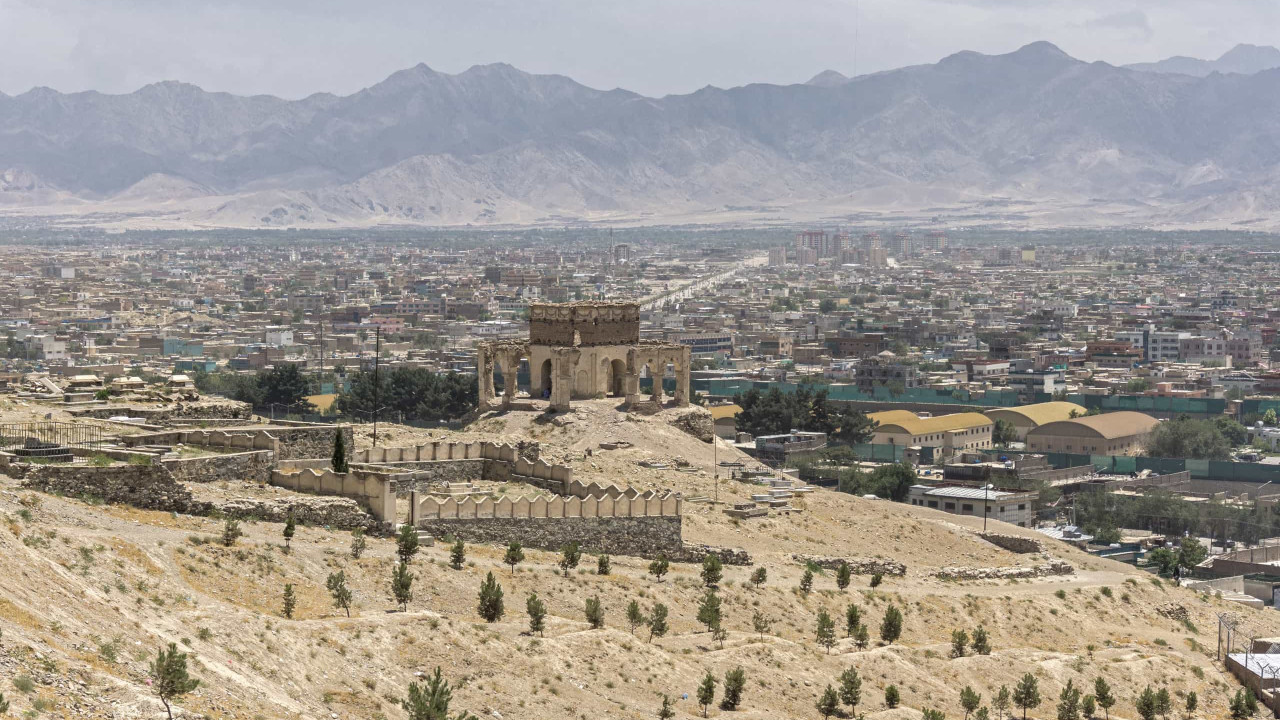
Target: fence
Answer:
pixel 1199 469
pixel 51 440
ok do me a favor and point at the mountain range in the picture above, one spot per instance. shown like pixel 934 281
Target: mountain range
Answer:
pixel 1033 137
pixel 1241 59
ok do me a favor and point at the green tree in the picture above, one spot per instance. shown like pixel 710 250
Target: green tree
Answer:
pixel 490 606
pixel 829 703
pixel 1089 707
pixel 712 570
pixel 357 543
pixel 969 700
pixel 432 701
pixel 290 601
pixel 861 636
pixel 1164 559
pixel 760 623
pixel 658 567
pixel 1191 552
pixel 759 576
pixel 1193 702
pixel 1003 433
pixel 667 711
pixel 891 626
pixel 1163 704
pixel 635 617
pixel 4 704
pixel 337 585
pixel 595 613
pixel 826 634
pixel 407 543
pixel 959 643
pixel 1026 694
pixel 417 394
pixel 852 619
pixel 891 697
pixel 932 714
pixel 1069 702
pixel 852 427
pixel 569 556
pixel 658 622
pixel 707 692
pixel 457 555
pixel 602 565
pixel 537 611
pixel 339 459
pixel 1001 702
pixel 735 682
pixel 514 556
pixel 290 527
pixel 981 642
pixel 843 575
pixel 231 532
pixel 806 582
pixel 851 689
pixel 283 384
pixel 402 586
pixel 1102 692
pixel 709 609
pixel 1146 704
pixel 1189 438
pixel 169 678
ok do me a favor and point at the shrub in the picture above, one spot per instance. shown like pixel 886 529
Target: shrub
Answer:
pixel 357 543
pixel 959 643
pixel 595 613
pixel 490 607
pixel 537 611
pixel 891 626
pixel 231 531
pixel 603 566
pixel 759 576
pixel 891 697
pixel 876 580
pixel 458 555
pixel 659 567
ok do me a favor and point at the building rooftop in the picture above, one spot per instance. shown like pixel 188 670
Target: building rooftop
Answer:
pixel 916 425
pixel 1045 412
pixel 964 493
pixel 1110 426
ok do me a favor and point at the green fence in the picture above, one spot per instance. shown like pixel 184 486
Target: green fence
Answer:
pixel 1199 469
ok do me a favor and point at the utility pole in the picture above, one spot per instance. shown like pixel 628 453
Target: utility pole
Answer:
pixel 377 386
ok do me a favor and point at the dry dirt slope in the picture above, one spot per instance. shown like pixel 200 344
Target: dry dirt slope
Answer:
pixel 89 591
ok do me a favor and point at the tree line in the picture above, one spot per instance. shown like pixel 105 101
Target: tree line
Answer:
pixel 777 413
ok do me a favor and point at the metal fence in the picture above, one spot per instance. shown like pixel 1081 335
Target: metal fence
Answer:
pixel 48 440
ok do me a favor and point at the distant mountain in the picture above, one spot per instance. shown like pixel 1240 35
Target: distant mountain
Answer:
pixel 827 78
pixel 1241 59
pixel 1030 137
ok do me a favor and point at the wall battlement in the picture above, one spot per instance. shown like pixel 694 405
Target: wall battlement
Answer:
pixel 649 504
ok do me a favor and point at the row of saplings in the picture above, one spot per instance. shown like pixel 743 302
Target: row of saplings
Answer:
pixel 1072 704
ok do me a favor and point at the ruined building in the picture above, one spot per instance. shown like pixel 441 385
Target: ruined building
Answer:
pixel 578 351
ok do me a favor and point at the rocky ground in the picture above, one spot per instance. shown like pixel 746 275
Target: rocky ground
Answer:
pixel 90 592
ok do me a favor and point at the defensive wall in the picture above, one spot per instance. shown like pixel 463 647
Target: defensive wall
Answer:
pixel 253 465
pixel 287 443
pixel 373 490
pixel 443 461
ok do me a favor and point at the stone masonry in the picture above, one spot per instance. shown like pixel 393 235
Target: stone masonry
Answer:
pixel 150 487
pixel 640 536
pixel 858 566
pixel 253 466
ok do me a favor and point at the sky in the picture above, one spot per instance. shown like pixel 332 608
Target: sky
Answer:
pixel 292 48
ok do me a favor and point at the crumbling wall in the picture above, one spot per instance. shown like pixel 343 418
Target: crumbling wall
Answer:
pixel 151 487
pixel 638 536
pixel 254 466
pixel 584 323
pixel 1014 543
pixel 335 512
pixel 857 565
pixel 1053 567
pixel 375 491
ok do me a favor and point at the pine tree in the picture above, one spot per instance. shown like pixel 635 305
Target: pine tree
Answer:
pixel 514 556
pixel 407 543
pixel 230 532
pixel 666 712
pixel 760 623
pixel 707 692
pixel 357 543
pixel 1089 707
pixel 981 641
pixel 169 678
pixel 843 575
pixel 969 700
pixel 1163 704
pixel 891 626
pixel 635 617
pixel 457 555
pixel 1001 702
pixel 959 642
pixel 290 527
pixel 431 702
pixel 1146 704
pixel 1026 694
pixel 1193 701
pixel 490 607
pixel 709 609
pixel 602 565
pixel 828 703
pixel 290 601
pixel 852 619
pixel 659 567
pixel 569 556
pixel 339 459
pixel 891 697
pixel 337 584
pixel 851 689
pixel 719 634
pixel 735 681
pixel 932 714
pixel 658 622
pixel 1069 702
pixel 826 635
pixel 759 576
pixel 1102 692
pixel 806 582
pixel 712 570
pixel 595 613
pixel 537 611
pixel 861 637
pixel 402 586
pixel 982 714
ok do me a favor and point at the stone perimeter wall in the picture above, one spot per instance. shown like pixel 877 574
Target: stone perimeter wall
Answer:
pixel 502 462
pixel 649 504
pixel 288 443
pixel 254 466
pixel 639 536
pixel 150 487
pixel 1013 543
pixel 858 566
pixel 373 490
pixel 1053 567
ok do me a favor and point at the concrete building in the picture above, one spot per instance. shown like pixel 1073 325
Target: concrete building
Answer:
pixel 952 433
pixel 1117 433
pixel 885 371
pixel 1015 508
pixel 1029 417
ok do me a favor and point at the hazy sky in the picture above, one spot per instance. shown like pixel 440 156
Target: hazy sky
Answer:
pixel 295 47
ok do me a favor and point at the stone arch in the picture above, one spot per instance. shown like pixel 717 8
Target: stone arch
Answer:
pixel 616 377
pixel 582 384
pixel 544 379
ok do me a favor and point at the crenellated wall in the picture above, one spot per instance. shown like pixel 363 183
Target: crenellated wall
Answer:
pixel 627 504
pixel 501 462
pixel 375 491
pixel 287 443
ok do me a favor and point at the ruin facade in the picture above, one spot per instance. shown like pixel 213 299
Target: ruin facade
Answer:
pixel 583 350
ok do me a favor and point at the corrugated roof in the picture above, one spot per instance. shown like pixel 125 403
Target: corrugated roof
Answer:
pixel 915 425
pixel 965 493
pixel 1042 413
pixel 1110 426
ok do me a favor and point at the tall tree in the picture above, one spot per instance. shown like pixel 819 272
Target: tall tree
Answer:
pixel 826 634
pixel 707 692
pixel 969 700
pixel 339 459
pixel 1026 694
pixel 337 585
pixel 1102 693
pixel 828 703
pixel 891 626
pixel 490 606
pixel 851 689
pixel 169 678
pixel 402 586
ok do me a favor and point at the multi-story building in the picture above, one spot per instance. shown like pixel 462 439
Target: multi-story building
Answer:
pixel 1015 508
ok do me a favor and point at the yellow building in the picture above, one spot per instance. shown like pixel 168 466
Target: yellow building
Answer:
pixel 1117 433
pixel 1028 417
pixel 961 431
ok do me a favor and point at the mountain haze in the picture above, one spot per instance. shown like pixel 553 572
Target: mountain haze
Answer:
pixel 1241 59
pixel 1033 136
